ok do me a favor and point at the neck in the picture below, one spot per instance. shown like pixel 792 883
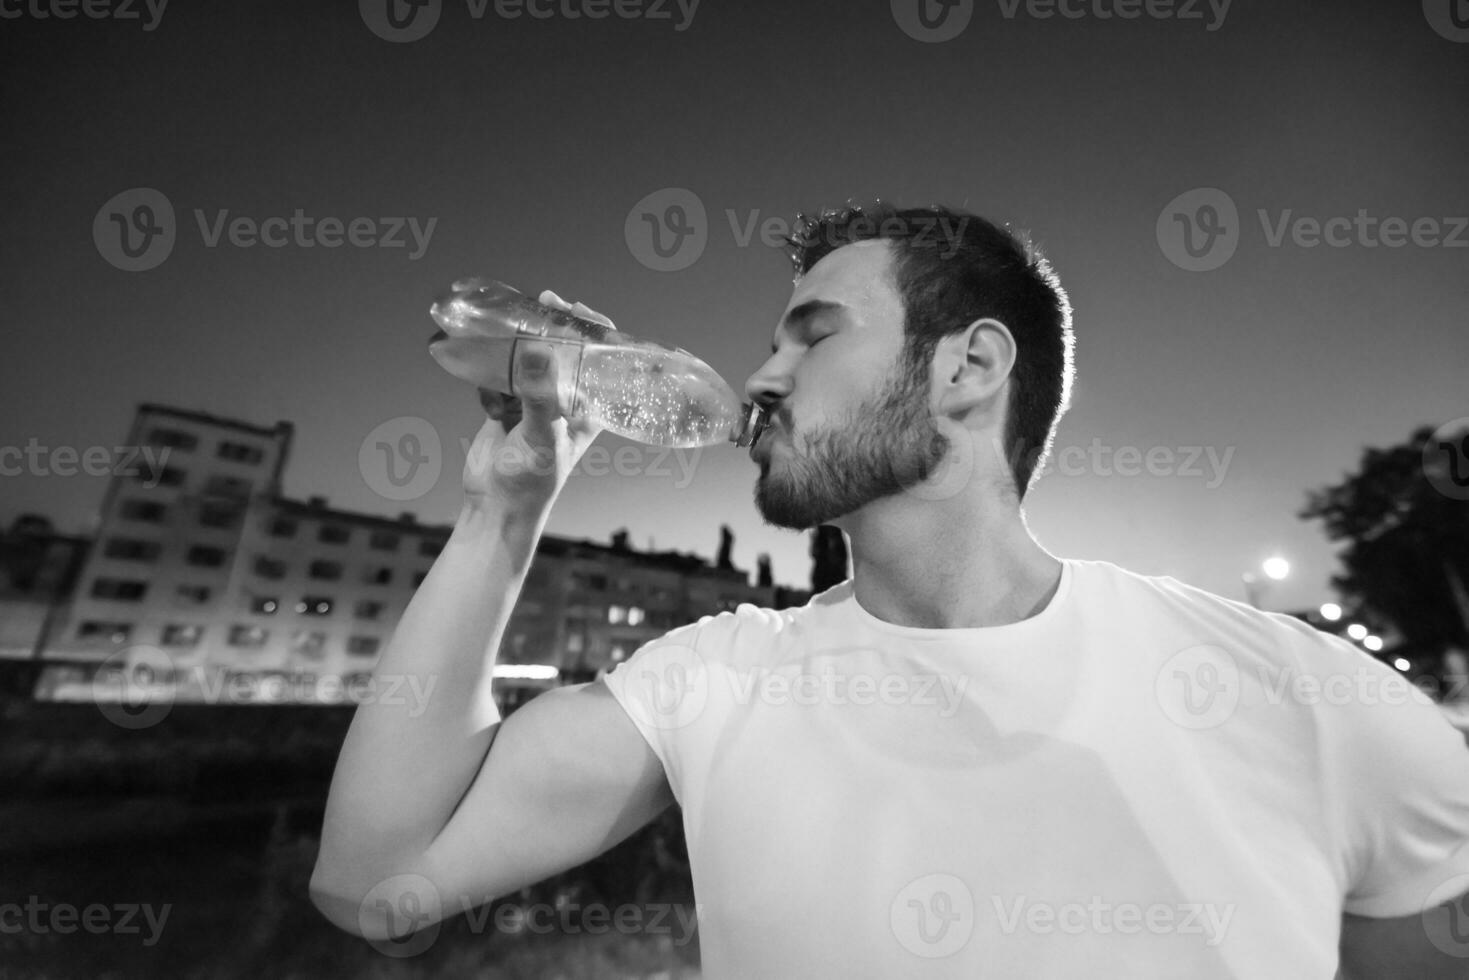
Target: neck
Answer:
pixel 952 564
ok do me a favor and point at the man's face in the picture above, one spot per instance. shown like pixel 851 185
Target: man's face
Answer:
pixel 853 423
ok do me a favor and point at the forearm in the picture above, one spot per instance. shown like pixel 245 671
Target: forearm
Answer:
pixel 408 759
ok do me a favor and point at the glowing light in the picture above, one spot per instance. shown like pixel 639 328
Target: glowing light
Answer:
pixel 1275 567
pixel 1373 643
pixel 1330 611
pixel 526 672
pixel 1357 631
pixel 1401 663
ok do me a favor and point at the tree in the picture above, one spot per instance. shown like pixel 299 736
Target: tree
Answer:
pixel 1404 522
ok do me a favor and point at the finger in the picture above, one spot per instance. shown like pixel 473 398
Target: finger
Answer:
pixel 535 386
pixel 585 312
pixel 501 407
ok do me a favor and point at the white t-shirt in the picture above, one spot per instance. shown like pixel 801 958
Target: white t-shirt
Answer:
pixel 1144 780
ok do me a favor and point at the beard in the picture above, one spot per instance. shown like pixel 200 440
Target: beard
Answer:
pixel 888 443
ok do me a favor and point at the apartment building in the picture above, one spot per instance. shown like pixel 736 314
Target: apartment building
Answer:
pixel 205 579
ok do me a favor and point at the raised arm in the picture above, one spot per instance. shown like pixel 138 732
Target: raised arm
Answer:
pixel 436 804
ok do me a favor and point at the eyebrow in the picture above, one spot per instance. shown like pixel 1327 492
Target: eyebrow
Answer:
pixel 805 313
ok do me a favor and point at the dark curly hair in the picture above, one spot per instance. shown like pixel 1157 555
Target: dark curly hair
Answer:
pixel 952 268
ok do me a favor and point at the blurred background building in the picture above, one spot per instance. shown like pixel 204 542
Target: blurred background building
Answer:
pixel 205 581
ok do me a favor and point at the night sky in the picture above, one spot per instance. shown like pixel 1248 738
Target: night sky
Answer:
pixel 530 143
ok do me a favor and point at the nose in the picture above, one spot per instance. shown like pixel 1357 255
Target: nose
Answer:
pixel 769 385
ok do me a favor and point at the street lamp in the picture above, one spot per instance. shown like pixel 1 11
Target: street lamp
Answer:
pixel 1357 631
pixel 1275 568
pixel 1330 612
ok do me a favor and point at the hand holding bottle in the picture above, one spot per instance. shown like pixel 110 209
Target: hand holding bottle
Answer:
pixel 526 449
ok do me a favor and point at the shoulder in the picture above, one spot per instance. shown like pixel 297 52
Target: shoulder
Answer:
pixel 1169 606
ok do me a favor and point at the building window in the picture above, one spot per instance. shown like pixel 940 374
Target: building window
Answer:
pixel 430 547
pixel 282 527
pixel 266 605
pixel 145 511
pixel 333 534
pixel 172 439
pixel 418 578
pixel 589 580
pixel 270 568
pixel 615 614
pixel 238 452
pixel 315 605
pixel 98 629
pixel 150 473
pixel 124 590
pixel 216 514
pixel 327 571
pixel 362 646
pixel 634 616
pixel 242 635
pixel 383 541
pixel 205 556
pixel 619 652
pixel 308 643
pixel 368 609
pixel 233 487
pixel 181 635
pixel 131 549
pixel 573 643
pixel 378 575
pixel 193 594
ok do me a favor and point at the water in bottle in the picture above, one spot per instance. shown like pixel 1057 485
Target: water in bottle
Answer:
pixel 636 388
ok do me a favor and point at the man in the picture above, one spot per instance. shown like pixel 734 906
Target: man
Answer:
pixel 969 759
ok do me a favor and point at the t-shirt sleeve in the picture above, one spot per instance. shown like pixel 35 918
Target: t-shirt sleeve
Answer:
pixel 664 688
pixel 1400 778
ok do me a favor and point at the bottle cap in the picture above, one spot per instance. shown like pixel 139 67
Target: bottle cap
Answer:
pixel 752 422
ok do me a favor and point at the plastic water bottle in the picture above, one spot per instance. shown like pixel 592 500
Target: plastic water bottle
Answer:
pixel 636 388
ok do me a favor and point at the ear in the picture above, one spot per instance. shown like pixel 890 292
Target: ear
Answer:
pixel 972 366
